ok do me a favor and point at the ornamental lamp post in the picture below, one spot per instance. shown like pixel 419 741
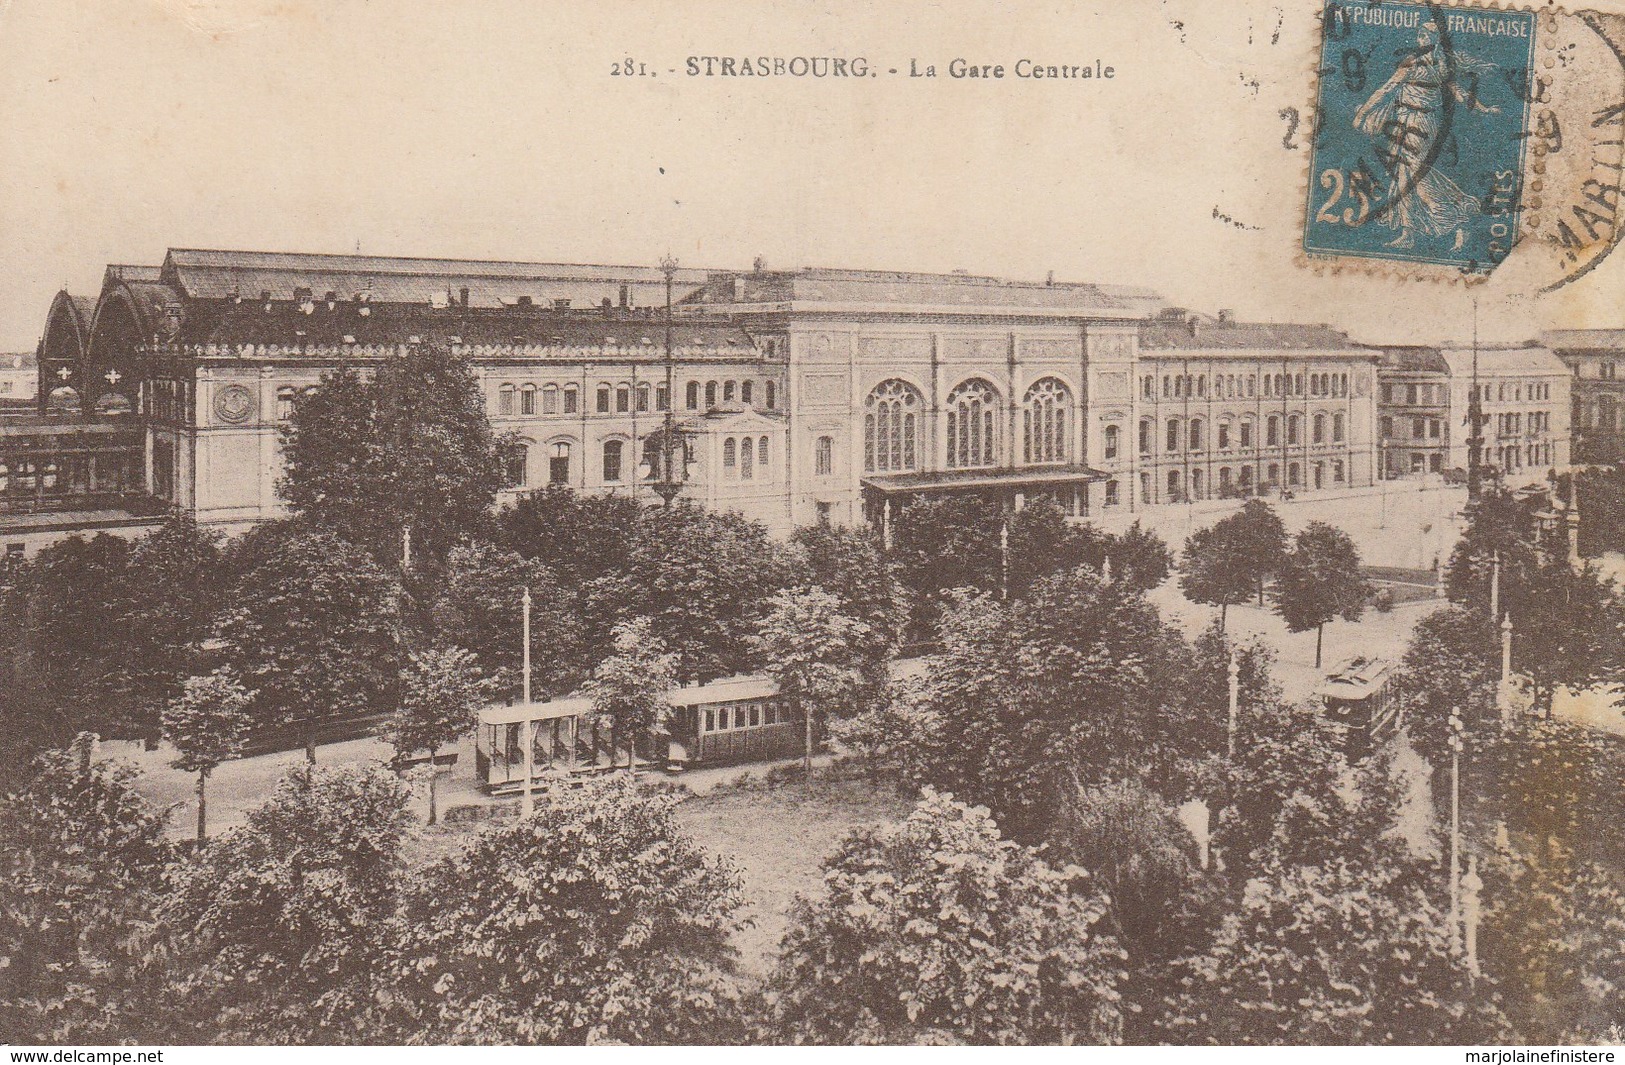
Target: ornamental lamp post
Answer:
pixel 527 736
pixel 1455 832
pixel 670 482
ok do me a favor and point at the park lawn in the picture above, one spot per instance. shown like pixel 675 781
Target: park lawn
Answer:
pixel 777 835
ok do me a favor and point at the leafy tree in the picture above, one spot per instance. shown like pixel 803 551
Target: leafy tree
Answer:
pixel 1043 542
pixel 1500 527
pixel 1602 507
pixel 942 543
pixel 1217 566
pixel 580 538
pixel 207 724
pixel 1571 632
pixel 1140 561
pixel 702 578
pixel 282 920
pixel 1452 665
pixel 83 858
pixel 174 583
pixel 479 607
pixel 409 449
pixel 597 920
pixel 811 649
pixel 74 637
pixel 849 564
pixel 940 930
pixel 630 687
pixel 1260 529
pixel 441 696
pixel 1321 581
pixel 311 629
pixel 1333 953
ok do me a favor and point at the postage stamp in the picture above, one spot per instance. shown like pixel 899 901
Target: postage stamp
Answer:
pixel 1451 139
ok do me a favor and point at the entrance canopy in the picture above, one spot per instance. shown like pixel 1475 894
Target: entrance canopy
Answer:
pixel 1012 477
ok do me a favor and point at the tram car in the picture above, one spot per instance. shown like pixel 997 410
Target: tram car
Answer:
pixel 1359 694
pixel 725 722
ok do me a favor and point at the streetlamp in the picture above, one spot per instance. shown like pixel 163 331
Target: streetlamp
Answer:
pixel 671 478
pixel 1455 832
pixel 527 803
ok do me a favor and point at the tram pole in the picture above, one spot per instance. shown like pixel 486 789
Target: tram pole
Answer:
pixel 527 738
pixel 1235 705
pixel 1455 832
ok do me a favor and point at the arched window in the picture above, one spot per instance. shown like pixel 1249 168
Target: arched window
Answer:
pixel 1272 432
pixel 1197 443
pixel 770 390
pixel 1173 486
pixel 693 395
pixel 612 460
pixel 1112 497
pixel 1245 432
pixel 710 394
pixel 746 390
pixel 1223 442
pixel 1337 428
pixel 1167 387
pixel 505 399
pixel 727 391
pixel 285 397
pixel 603 399
pixel 643 399
pixel 623 399
pixel 1145 436
pixel 1044 422
pixel 527 399
pixel 1148 386
pixel 761 457
pixel 649 466
pixel 824 456
pixel 730 456
pixel 1244 477
pixel 1111 441
pixel 1171 441
pixel 1275 473
pixel 1197 484
pixel 1318 428
pixel 572 399
pixel 972 425
pixel 550 399
pixel 558 464
pixel 1294 475
pixel 1294 429
pixel 747 459
pixel 515 459
pixel 891 417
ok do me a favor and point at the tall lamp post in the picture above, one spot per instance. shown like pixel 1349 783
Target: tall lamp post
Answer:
pixel 1455 831
pixel 670 482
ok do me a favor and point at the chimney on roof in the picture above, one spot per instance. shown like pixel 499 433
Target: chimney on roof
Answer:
pixel 758 265
pixel 1049 279
pixel 1194 324
pixel 462 296
pixel 1227 317
pixel 522 301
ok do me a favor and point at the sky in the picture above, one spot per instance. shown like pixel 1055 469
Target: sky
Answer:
pixel 495 129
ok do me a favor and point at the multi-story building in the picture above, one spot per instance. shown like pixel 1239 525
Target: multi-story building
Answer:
pixel 1524 400
pixel 1226 408
pixel 1414 427
pixel 19 378
pixel 1595 358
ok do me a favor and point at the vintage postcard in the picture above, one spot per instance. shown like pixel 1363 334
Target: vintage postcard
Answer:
pixel 738 523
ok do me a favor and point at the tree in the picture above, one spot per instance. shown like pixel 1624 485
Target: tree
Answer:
pixel 311 629
pixel 282 921
pixel 1571 631
pixel 580 538
pixel 849 564
pixel 1333 953
pixel 1499 527
pixel 1452 665
pixel 942 543
pixel 702 578
pixel 598 920
pixel 83 858
pixel 175 580
pixel 941 930
pixel 207 724
pixel 410 449
pixel 1321 581
pixel 479 608
pixel 1140 560
pixel 630 687
pixel 810 648
pixel 1043 542
pixel 1262 533
pixel 442 693
pixel 1217 567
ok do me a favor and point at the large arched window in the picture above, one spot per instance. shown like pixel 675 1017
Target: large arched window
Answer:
pixel 972 425
pixel 1043 413
pixel 891 420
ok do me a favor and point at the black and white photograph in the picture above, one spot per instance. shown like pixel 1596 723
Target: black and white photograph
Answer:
pixel 763 524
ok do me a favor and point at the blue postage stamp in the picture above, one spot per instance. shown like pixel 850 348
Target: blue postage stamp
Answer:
pixel 1421 133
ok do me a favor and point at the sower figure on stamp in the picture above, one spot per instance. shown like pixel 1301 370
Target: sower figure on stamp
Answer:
pixel 1407 117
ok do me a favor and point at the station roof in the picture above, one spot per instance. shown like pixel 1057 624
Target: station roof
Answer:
pixel 1505 361
pixel 1180 331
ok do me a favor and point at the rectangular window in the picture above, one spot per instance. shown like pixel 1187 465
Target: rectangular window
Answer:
pixel 505 400
pixel 643 399
pixel 755 714
pixel 550 400
pixel 527 400
pixel 570 400
pixel 1246 434
pixel 603 399
pixel 1224 436
pixel 1410 394
pixel 662 399
pixel 824 456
